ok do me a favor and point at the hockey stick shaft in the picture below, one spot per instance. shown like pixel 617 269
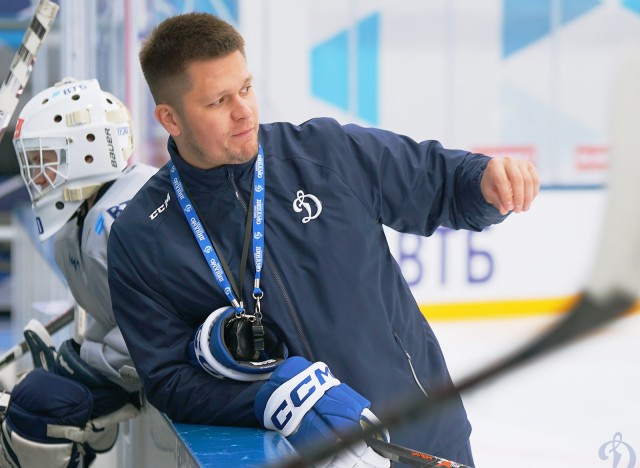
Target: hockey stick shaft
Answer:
pixel 24 59
pixel 586 315
pixel 397 453
pixel 10 91
pixel 52 327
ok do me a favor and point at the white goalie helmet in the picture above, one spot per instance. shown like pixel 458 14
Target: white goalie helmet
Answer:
pixel 70 140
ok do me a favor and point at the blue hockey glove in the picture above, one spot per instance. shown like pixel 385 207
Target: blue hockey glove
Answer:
pixel 306 403
pixel 214 349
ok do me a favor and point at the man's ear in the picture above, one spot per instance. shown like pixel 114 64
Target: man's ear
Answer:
pixel 168 118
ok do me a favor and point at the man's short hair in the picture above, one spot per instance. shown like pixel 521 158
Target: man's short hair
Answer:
pixel 176 43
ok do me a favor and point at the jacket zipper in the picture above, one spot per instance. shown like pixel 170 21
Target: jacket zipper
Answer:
pixel 413 371
pixel 292 311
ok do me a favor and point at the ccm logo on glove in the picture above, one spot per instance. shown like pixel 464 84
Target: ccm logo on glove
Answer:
pixel 292 400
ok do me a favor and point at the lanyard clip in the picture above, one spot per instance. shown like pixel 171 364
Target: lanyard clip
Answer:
pixel 239 307
pixel 257 328
pixel 257 295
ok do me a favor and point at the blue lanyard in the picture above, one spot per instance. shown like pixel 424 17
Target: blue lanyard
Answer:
pixel 258 221
pixel 206 246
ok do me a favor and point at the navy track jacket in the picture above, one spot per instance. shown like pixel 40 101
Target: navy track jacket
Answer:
pixel 332 290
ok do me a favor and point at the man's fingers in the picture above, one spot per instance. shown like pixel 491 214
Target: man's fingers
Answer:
pixel 528 178
pixel 502 188
pixel 532 185
pixel 511 185
pixel 516 180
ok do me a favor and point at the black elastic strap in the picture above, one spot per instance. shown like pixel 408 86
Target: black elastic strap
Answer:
pixel 245 243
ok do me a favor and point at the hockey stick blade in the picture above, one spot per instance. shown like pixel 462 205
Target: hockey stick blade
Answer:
pixel 24 59
pixel 611 291
pixel 397 453
pixel 52 327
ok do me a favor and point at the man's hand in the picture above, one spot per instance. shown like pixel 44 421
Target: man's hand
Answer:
pixel 306 404
pixel 510 184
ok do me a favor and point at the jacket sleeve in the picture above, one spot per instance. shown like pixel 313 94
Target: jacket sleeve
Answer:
pixel 412 187
pixel 156 336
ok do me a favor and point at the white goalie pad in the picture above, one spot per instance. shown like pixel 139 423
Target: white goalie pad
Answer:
pixel 17 451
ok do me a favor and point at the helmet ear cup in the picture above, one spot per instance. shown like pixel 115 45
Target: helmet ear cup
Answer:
pixel 91 132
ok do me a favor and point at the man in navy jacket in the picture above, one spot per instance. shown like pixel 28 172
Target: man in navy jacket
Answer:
pixel 323 283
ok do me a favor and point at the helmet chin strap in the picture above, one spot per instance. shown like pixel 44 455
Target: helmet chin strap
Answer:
pixel 73 194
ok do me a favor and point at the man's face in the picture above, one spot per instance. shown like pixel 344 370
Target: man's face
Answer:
pixel 42 167
pixel 218 122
